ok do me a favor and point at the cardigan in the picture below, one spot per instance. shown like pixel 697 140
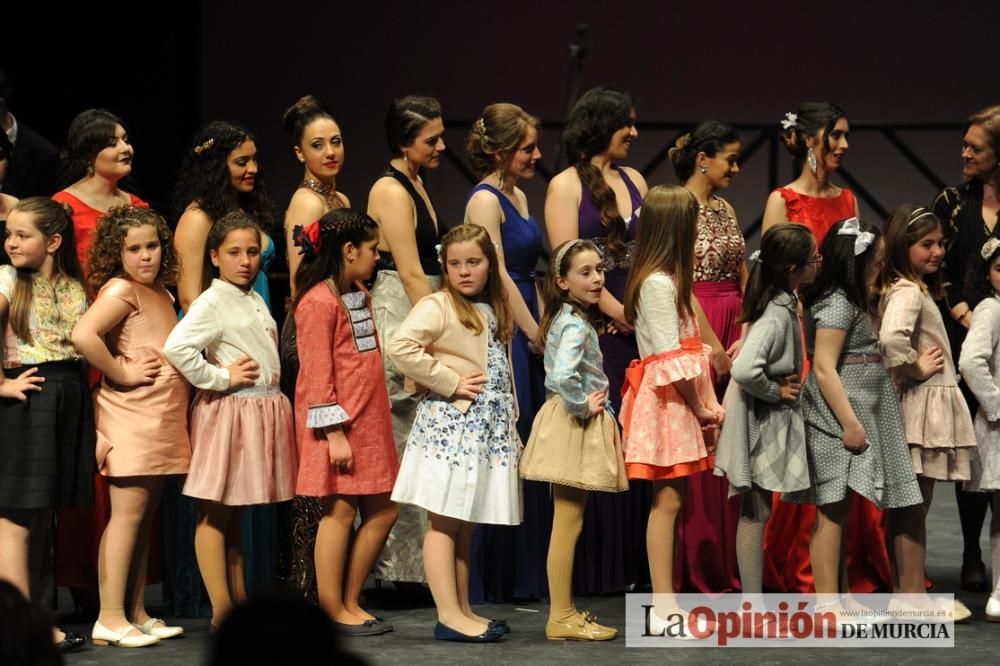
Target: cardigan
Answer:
pixel 433 349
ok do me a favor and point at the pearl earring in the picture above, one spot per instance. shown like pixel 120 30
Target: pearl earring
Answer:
pixel 704 169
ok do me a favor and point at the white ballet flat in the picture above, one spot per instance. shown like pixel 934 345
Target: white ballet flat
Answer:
pixel 993 610
pixel 101 635
pixel 150 628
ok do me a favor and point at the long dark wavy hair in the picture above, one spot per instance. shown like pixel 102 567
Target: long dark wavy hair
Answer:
pixel 599 113
pixel 203 178
pixel 336 228
pixel 784 247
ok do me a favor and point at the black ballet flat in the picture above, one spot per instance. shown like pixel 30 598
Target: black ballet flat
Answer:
pixel 72 642
pixel 368 628
pixel 445 633
pixel 500 625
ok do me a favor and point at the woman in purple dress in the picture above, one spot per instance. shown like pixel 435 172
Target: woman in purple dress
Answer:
pixel 597 199
pixel 503 149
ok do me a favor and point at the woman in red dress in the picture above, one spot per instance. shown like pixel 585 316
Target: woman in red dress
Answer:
pixel 99 156
pixel 816 134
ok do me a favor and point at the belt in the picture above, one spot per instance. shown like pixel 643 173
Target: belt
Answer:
pixel 864 358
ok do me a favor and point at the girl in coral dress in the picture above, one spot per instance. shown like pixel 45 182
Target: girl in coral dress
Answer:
pixel 669 402
pixel 347 456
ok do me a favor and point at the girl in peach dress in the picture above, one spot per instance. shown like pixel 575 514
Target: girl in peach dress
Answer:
pixel 916 350
pixel 669 410
pixel 140 407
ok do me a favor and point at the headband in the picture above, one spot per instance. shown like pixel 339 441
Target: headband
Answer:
pixel 917 214
pixel 561 254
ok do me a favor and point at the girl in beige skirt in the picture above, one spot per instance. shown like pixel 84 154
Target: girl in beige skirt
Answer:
pixel 574 442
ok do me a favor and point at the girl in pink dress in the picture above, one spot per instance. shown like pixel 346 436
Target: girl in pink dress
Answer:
pixel 347 455
pixel 140 408
pixel 669 403
pixel 242 434
pixel 916 350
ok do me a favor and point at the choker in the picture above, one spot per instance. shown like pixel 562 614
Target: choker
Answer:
pixel 328 192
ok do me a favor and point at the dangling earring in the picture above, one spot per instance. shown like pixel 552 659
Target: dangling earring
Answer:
pixel 500 178
pixel 811 158
pixel 704 169
pixel 90 170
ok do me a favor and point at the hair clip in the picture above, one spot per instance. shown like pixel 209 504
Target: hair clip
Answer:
pixel 202 147
pixel 307 239
pixel 989 247
pixel 481 124
pixel 862 239
pixel 754 256
pixel 437 250
pixel 790 120
pixel 917 214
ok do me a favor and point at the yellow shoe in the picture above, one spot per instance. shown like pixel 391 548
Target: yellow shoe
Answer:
pixel 581 627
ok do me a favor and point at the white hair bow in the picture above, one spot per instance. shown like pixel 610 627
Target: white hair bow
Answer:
pixel 862 240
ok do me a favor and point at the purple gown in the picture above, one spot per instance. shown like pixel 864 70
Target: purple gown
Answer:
pixel 611 551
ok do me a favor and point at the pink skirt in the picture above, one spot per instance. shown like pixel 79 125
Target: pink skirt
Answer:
pixel 243 447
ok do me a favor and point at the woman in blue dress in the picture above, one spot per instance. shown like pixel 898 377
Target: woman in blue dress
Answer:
pixel 509 562
pixel 218 174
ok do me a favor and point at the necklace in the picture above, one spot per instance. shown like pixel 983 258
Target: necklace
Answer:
pixel 326 191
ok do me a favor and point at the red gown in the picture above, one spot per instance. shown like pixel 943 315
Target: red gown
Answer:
pixel 786 538
pixel 79 530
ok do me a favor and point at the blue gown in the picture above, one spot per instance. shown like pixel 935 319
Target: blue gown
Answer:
pixel 509 562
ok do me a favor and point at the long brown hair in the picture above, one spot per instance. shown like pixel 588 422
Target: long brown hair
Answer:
pixel 50 218
pixel 668 229
pixel 599 113
pixel 552 296
pixel 494 293
pixel 906 226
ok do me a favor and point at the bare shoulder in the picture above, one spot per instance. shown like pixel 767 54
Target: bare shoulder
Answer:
pixel 636 179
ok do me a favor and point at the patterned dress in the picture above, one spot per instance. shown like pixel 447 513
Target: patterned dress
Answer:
pixel 465 465
pixel 883 472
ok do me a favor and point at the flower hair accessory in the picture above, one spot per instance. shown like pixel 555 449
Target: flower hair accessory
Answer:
pixel 862 239
pixel 203 146
pixel 437 251
pixel 989 247
pixel 307 239
pixel 789 121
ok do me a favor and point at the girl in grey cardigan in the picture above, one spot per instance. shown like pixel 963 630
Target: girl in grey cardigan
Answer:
pixel 762 446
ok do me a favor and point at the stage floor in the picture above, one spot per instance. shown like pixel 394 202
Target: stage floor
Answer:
pixel 412 641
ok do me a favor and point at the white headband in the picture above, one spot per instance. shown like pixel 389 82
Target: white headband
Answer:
pixel 561 254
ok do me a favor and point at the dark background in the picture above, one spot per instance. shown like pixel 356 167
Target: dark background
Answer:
pixel 169 68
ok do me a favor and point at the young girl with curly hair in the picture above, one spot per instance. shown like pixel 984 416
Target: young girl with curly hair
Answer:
pixel 140 408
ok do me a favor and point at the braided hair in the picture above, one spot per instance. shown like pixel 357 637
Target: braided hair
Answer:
pixel 321 245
